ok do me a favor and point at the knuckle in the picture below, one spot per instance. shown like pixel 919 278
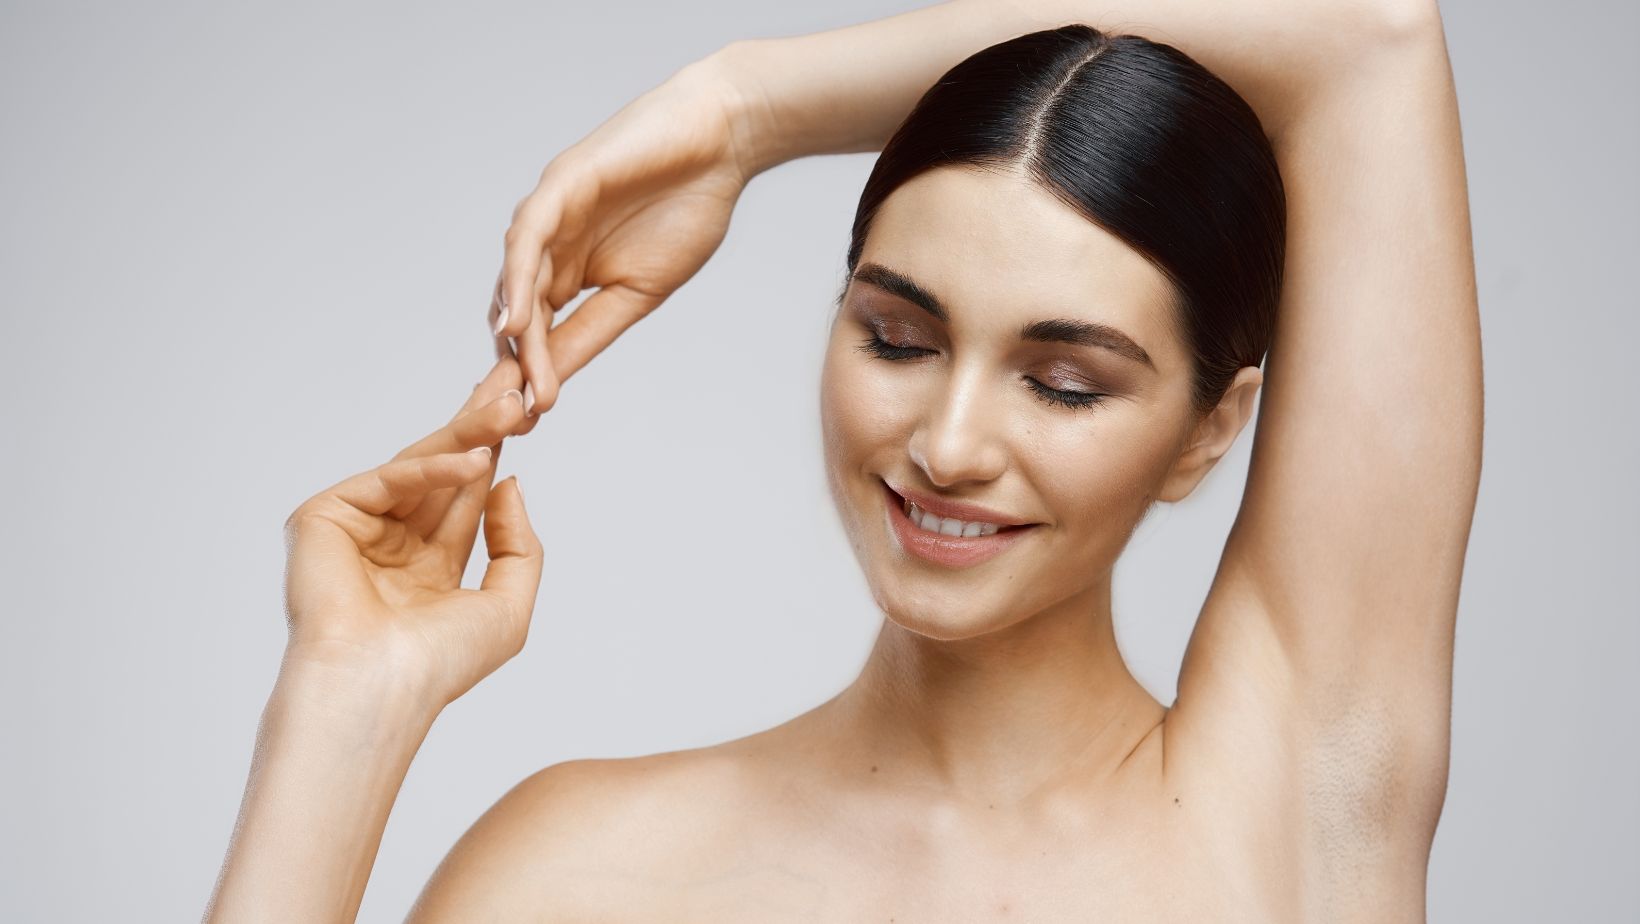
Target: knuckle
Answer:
pixel 295 523
pixel 520 634
pixel 302 511
pixel 522 207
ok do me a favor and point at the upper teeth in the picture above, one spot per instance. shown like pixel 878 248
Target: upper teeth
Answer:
pixel 946 525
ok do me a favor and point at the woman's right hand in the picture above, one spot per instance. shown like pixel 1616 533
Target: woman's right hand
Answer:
pixel 374 563
pixel 635 209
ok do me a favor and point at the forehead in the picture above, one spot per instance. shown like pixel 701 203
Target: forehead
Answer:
pixel 999 250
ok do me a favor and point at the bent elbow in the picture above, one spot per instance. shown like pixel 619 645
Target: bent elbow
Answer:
pixel 1405 20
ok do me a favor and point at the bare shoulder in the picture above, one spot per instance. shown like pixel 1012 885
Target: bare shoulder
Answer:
pixel 584 837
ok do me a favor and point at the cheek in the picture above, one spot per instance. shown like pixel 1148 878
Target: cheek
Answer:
pixel 1098 475
pixel 862 410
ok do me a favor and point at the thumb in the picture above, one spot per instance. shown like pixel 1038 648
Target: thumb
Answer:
pixel 516 556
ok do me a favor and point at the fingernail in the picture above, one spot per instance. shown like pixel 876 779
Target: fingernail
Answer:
pixel 480 451
pixel 529 398
pixel 514 391
pixel 501 319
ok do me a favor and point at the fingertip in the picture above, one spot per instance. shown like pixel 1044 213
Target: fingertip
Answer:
pixel 525 425
pixel 484 456
pixel 508 399
pixel 546 381
pixel 514 312
pixel 524 525
pixel 547 395
pixel 512 494
pixel 511 532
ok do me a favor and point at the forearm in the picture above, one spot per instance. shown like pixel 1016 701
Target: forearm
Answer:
pixel 846 90
pixel 331 754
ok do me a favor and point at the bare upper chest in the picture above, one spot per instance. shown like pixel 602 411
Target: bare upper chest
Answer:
pixel 1046 882
pixel 882 860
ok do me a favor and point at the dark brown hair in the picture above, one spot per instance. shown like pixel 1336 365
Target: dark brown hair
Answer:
pixel 1144 142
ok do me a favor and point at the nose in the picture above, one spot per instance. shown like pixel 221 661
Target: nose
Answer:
pixel 961 438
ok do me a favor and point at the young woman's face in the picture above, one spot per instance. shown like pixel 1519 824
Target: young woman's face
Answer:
pixel 1071 427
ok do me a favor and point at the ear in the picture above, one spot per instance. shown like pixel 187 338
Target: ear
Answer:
pixel 1212 435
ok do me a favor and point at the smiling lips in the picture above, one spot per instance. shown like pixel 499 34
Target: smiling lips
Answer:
pixel 948 541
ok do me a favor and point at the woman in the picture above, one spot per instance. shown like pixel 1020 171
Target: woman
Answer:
pixel 1065 270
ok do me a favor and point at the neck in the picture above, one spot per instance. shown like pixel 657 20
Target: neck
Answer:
pixel 1004 716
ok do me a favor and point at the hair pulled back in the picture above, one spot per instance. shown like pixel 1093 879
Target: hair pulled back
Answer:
pixel 1144 142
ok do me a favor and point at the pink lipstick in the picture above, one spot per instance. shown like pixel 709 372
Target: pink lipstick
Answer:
pixel 942 549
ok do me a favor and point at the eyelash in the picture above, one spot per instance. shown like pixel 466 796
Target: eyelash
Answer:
pixel 882 349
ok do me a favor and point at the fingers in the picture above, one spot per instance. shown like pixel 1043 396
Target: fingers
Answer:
pixel 605 315
pixel 523 306
pixel 496 321
pixel 505 374
pixel 450 517
pixel 377 491
pixel 515 552
pixel 541 391
pixel 503 346
pixel 485 426
pixel 534 222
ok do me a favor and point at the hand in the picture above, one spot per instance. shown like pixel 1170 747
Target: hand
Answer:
pixel 635 208
pixel 374 564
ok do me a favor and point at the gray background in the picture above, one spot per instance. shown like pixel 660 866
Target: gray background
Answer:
pixel 245 253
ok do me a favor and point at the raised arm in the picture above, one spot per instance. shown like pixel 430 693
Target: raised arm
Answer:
pixel 1331 617
pixel 637 207
pixel 847 89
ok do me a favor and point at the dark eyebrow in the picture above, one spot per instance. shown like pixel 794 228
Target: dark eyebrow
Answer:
pixel 904 286
pixel 1086 333
pixel 1058 330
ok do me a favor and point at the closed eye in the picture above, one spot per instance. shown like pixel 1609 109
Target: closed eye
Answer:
pixel 1065 398
pixel 882 349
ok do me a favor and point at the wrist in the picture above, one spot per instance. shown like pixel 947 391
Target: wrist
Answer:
pixel 332 749
pixel 760 137
pixel 341 687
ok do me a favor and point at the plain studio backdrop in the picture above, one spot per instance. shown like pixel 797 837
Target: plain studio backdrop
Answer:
pixel 247 252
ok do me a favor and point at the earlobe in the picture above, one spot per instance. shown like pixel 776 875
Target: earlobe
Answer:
pixel 1213 435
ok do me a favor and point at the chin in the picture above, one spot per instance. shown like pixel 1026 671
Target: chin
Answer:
pixel 944 629
pixel 944 612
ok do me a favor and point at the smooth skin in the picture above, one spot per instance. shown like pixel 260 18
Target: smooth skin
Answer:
pixel 381 637
pixel 995 759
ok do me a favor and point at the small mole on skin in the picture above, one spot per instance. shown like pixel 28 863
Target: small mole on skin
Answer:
pixel 874 770
pixel 1176 802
